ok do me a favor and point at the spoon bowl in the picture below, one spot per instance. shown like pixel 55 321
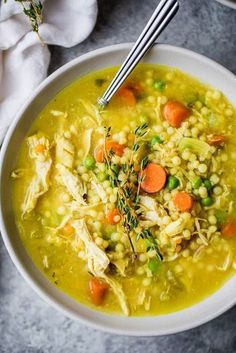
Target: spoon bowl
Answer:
pixel 163 14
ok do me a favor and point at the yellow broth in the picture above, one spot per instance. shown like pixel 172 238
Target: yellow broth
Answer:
pixel 194 265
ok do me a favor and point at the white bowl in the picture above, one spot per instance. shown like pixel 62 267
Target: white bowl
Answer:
pixel 207 71
pixel 228 3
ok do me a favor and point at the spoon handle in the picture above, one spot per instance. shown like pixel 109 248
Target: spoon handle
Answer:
pixel 162 15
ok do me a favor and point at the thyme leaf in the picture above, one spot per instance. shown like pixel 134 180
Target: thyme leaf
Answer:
pixel 144 162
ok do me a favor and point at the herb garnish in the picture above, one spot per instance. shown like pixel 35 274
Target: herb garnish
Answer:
pixel 33 10
pixel 151 242
pixel 128 191
pixel 141 176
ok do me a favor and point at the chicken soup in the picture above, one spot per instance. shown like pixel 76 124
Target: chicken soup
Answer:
pixel 130 209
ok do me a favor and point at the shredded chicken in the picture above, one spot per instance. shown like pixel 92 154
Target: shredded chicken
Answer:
pixel 199 232
pixel 141 296
pixel 45 262
pixel 121 265
pixel 18 173
pixel 36 140
pixel 40 182
pixel 100 191
pixel 199 251
pixel 59 113
pixel 171 258
pixel 231 206
pixel 151 211
pixel 74 207
pixel 147 303
pixel 117 289
pixel 64 152
pixel 158 108
pixel 227 262
pixel 98 261
pixel 72 183
pixel 93 111
pixel 176 227
pixel 85 142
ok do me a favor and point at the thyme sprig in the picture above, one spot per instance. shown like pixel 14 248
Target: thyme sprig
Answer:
pixel 141 177
pixel 33 11
pixel 139 134
pixel 124 193
pixel 128 191
pixel 151 242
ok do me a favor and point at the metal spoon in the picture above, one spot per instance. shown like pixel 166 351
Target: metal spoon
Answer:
pixel 163 14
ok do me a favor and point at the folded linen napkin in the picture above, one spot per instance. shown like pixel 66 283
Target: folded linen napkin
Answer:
pixel 23 60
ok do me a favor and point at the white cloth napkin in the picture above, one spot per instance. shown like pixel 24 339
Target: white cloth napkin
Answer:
pixel 23 60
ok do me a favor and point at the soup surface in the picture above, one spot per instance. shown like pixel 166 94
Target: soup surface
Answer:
pixel 130 209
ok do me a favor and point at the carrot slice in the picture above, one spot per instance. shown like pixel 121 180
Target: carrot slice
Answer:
pixel 99 154
pixel 113 216
pixel 110 145
pixel 127 96
pixel 216 140
pixel 68 229
pixel 229 229
pixel 136 88
pixel 39 148
pixel 98 290
pixel 116 147
pixel 130 137
pixel 183 201
pixel 154 178
pixel 178 248
pixel 136 168
pixel 175 113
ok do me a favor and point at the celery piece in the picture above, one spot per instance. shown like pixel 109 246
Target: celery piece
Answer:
pixel 194 145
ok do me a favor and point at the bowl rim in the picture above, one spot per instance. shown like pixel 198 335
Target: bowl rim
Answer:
pixel 6 239
pixel 228 3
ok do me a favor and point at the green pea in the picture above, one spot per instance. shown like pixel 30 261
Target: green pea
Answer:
pixel 89 162
pixel 207 184
pixel 220 216
pixel 159 85
pixel 172 182
pixel 101 176
pixel 207 201
pixel 197 182
pixel 154 140
pixel 143 119
pixel 154 266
